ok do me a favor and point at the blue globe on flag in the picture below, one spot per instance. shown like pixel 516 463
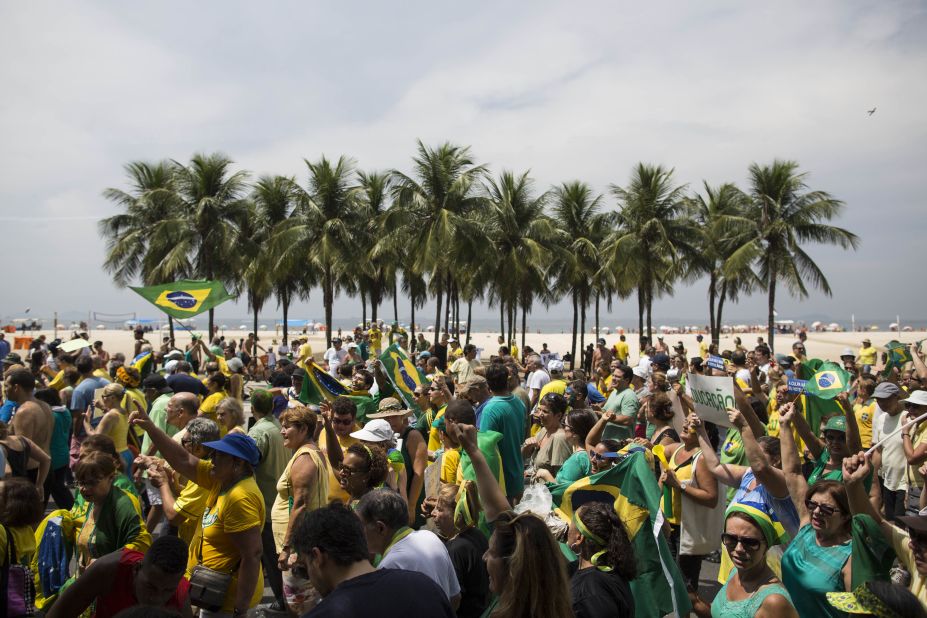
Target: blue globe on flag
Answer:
pixel 182 299
pixel 826 380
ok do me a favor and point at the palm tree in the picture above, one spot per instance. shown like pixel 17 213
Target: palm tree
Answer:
pixel 205 228
pixel 722 226
pixel 785 214
pixel 322 228
pixel 582 230
pixel 431 207
pixel 520 235
pixel 652 236
pixel 377 267
pixel 132 250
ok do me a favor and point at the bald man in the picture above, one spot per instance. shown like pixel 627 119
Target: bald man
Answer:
pixel 181 408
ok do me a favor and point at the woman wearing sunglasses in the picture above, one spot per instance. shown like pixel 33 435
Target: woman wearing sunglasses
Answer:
pixel 817 559
pixel 752 589
pixel 577 426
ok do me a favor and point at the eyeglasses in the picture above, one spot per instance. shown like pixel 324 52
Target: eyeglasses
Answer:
pixel 826 509
pixel 731 541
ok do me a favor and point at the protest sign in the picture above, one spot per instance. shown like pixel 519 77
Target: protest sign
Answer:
pixel 712 397
pixel 796 385
pixel 716 362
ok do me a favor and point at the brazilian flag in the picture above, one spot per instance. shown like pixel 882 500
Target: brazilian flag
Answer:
pixel 318 386
pixel 828 381
pixel 186 298
pixel 825 380
pixel 631 488
pixel 898 355
pixel 403 375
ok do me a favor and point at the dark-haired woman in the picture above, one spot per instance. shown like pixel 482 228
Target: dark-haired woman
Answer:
pixel 364 468
pixel 600 586
pixel 578 465
pixel 549 447
pixel 753 590
pixel 20 510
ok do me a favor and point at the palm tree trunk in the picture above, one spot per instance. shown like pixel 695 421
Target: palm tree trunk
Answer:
pixel 640 311
pixel 524 316
pixel 469 315
pixel 720 309
pixel 363 296
pixel 771 317
pixel 170 326
pixel 712 282
pixel 573 346
pixel 582 333
pixel 456 311
pixel 511 324
pixel 447 308
pixel 597 332
pixel 212 321
pixel 650 314
pixel 412 325
pixel 285 301
pixel 395 301
pixel 374 301
pixel 501 318
pixel 438 312
pixel 255 322
pixel 328 301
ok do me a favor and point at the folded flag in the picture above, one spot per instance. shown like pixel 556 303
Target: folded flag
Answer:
pixel 185 298
pixel 631 488
pixel 403 375
pixel 319 386
pixel 898 355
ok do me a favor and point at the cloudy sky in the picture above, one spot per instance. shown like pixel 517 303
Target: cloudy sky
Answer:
pixel 571 91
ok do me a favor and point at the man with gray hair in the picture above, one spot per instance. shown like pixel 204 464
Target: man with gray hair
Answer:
pixel 385 516
pixel 181 409
pixel 185 511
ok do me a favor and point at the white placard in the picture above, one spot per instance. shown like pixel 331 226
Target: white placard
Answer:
pixel 712 397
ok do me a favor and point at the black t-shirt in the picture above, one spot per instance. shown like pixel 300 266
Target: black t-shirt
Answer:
pixel 466 551
pixel 385 593
pixel 596 593
pixel 185 383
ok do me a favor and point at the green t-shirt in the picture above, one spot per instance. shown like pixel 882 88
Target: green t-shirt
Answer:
pixel 158 414
pixel 576 466
pixel 622 403
pixel 506 415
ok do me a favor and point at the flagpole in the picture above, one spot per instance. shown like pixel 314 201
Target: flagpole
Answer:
pixel 902 428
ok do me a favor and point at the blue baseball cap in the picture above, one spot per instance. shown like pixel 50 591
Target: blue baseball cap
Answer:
pixel 237 445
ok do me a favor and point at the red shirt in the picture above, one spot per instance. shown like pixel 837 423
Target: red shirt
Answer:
pixel 122 593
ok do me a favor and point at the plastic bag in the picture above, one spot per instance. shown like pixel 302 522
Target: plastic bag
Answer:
pixel 536 499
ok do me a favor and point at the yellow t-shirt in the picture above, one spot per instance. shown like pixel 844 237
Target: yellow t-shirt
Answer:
pixel 236 510
pixel 867 356
pixel 334 486
pixel 209 405
pixel 901 544
pixel 119 432
pixel 458 353
pixel 554 386
pixel 864 414
pixel 449 463
pixel 190 505
pixel 376 338
pixel 514 351
pixel 101 373
pixel 434 440
pixel 23 538
pixel 305 354
pixel 621 352
pixel 703 349
pixel 223 366
pixel 918 437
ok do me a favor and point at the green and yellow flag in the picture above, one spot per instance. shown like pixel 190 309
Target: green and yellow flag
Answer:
pixel 828 381
pixel 898 355
pixel 403 375
pixel 185 298
pixel 318 386
pixel 630 487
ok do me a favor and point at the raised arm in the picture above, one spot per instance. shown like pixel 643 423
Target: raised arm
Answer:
pixel 332 446
pixel 854 442
pixel 791 464
pixel 172 452
pixel 595 434
pixel 855 470
pixel 814 444
pixel 767 474
pixel 729 474
pixel 491 495
pixel 919 365
pixel 740 398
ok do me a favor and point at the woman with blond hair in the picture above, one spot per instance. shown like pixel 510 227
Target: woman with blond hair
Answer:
pixel 230 416
pixel 115 422
pixel 302 487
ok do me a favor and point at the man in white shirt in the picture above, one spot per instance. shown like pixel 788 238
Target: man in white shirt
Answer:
pixel 385 518
pixel 334 357
pixel 537 379
pixel 889 459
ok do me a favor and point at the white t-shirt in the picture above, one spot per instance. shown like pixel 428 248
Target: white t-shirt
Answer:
pixel 743 375
pixel 894 463
pixel 423 551
pixel 536 381
pixel 335 358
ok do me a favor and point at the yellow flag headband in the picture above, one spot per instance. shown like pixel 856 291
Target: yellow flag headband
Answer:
pixel 588 534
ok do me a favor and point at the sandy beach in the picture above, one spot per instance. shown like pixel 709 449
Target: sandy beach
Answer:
pixel 826 345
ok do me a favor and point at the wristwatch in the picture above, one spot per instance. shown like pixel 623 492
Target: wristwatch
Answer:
pixel 683 485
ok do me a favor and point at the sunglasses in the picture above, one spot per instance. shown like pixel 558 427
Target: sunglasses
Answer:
pixel 731 541
pixel 826 509
pixel 602 456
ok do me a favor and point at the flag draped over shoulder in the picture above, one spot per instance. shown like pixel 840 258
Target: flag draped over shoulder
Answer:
pixel 825 380
pixel 631 488
pixel 402 374
pixel 318 386
pixel 185 298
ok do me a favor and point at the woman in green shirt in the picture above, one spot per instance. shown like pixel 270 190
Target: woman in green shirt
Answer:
pixel 577 426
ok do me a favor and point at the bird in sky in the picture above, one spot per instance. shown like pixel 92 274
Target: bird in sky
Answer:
pixel 871 111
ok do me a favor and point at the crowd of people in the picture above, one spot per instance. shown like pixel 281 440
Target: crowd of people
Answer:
pixel 187 480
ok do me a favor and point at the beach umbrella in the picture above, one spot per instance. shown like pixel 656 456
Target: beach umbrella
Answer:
pixel 815 325
pixel 907 329
pixel 833 326
pixel 893 326
pixel 101 326
pixel 262 327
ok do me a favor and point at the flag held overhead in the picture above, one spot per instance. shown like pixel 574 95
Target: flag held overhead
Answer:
pixel 185 298
pixel 828 381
